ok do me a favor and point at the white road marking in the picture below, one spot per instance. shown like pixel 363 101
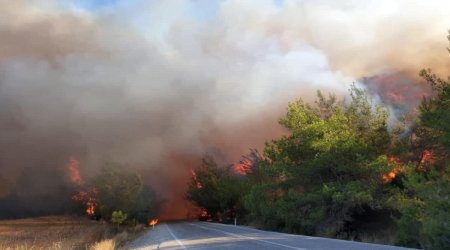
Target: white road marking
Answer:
pixel 175 237
pixel 252 230
pixel 247 237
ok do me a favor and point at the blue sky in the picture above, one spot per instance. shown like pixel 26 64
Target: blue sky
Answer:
pixel 94 4
pixel 201 9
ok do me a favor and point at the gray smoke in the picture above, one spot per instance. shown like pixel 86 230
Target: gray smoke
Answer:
pixel 156 85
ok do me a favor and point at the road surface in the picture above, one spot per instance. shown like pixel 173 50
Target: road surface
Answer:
pixel 205 235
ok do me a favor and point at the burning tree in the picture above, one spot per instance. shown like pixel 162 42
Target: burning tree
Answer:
pixel 397 168
pixel 73 169
pixel 327 170
pixel 113 189
pixel 217 190
pixel 88 199
pixel 196 181
pixel 120 189
pixel 243 167
pixel 86 195
pixel 425 214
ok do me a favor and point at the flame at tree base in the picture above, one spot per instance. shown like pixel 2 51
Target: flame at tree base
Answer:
pixel 153 222
pixel 389 177
pixel 88 199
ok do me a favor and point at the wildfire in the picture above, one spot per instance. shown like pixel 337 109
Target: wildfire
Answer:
pixel 194 176
pixel 73 168
pixel 395 159
pixel 396 97
pixel 153 222
pixel 244 167
pixel 88 199
pixel 90 208
pixel 394 172
pixel 389 176
pixel 204 213
pixel 427 158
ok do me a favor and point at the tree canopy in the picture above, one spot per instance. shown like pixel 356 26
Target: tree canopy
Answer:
pixel 117 189
pixel 328 169
pixel 343 171
pixel 216 189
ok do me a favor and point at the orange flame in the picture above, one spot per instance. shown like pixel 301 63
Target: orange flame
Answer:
pixel 394 172
pixel 395 159
pixel 244 167
pixel 88 199
pixel 74 170
pixel 90 208
pixel 390 176
pixel 194 176
pixel 204 213
pixel 427 158
pixel 153 222
pixel 395 96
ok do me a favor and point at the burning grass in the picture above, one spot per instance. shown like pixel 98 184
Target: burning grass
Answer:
pixel 61 233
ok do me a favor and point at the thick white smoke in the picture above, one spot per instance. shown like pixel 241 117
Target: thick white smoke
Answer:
pixel 141 82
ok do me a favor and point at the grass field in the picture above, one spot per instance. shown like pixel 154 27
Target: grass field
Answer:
pixel 60 233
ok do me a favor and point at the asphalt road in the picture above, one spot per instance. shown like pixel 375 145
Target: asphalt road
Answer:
pixel 204 235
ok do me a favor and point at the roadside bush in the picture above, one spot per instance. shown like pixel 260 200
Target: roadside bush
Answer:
pixel 120 189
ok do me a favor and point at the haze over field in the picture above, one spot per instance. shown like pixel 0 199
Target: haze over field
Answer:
pixel 155 85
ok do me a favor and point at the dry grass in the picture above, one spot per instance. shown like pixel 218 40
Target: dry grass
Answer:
pixel 56 233
pixel 104 245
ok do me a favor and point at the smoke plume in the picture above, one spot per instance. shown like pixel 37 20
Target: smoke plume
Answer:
pixel 155 85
